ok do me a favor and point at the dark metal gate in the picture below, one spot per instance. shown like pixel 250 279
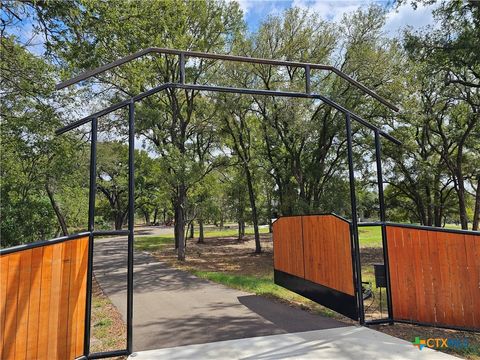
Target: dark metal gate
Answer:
pixel 181 84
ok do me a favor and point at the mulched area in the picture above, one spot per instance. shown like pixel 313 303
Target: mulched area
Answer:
pixel 225 254
pixel 409 332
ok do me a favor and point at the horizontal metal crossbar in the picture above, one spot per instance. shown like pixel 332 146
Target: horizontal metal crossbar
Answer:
pixel 162 87
pixel 40 243
pixel 244 59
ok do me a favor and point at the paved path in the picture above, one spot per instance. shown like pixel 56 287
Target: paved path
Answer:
pixel 173 308
pixel 344 343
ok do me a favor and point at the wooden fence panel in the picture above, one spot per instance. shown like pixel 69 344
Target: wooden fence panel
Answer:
pixel 435 276
pixel 288 245
pixel 42 301
pixel 313 258
pixel 328 252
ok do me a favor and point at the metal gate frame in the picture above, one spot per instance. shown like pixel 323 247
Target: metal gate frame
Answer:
pixel 93 120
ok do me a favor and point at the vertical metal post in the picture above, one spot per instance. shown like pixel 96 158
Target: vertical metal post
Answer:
pixel 307 79
pixel 381 200
pixel 182 68
pixel 131 222
pixel 353 199
pixel 91 225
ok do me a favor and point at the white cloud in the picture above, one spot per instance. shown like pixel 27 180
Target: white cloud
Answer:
pixel 329 9
pixel 245 5
pixel 405 15
pixel 333 10
pixel 264 7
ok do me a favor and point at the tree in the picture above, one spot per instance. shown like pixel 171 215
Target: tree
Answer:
pixel 112 181
pixel 86 34
pixel 242 129
pixel 449 54
pixel 35 165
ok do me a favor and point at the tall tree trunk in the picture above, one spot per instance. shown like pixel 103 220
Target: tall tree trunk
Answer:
pixel 201 235
pixel 253 205
pixel 155 216
pixel 175 225
pixel 146 214
pixel 192 230
pixel 429 206
pixel 270 223
pixel 118 221
pixel 241 229
pixel 461 199
pixel 476 211
pixel 181 198
pixel 56 209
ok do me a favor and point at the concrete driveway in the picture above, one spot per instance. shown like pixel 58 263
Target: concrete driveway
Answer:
pixel 346 343
pixel 173 308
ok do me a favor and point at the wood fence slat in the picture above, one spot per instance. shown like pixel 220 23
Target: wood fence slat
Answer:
pixel 45 298
pixel 3 299
pixel 425 256
pixel 23 300
pixel 417 259
pixel 456 247
pixel 81 303
pixel 406 284
pixel 55 301
pixel 345 261
pixel 34 303
pixel 392 256
pixel 472 249
pixel 467 301
pixel 401 281
pixel 73 298
pixel 64 300
pixel 11 305
pixel 436 276
pixel 445 296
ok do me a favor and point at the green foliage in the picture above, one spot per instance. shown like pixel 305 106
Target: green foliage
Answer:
pixel 204 153
pixel 32 157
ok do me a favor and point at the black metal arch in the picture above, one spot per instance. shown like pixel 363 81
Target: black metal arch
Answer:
pixel 93 119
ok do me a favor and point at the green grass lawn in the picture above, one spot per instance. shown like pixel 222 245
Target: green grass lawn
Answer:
pixel 155 243
pixel 152 243
pixel 370 236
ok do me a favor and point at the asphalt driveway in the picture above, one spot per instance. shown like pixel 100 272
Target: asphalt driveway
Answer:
pixel 173 308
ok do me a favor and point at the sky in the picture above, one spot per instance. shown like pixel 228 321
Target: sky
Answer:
pixel 255 11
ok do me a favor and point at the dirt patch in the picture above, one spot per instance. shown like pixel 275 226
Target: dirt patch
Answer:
pixel 370 256
pixel 224 254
